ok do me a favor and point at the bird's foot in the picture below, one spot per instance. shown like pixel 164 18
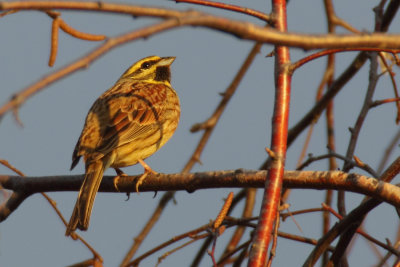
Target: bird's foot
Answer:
pixel 147 170
pixel 120 174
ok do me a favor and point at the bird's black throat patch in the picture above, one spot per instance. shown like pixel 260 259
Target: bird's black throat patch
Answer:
pixel 163 74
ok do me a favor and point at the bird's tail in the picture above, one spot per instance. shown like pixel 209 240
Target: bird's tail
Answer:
pixel 83 207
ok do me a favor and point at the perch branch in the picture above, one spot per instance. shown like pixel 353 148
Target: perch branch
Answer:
pixel 218 179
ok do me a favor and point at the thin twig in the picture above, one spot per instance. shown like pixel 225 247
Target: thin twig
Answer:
pixel 347 235
pixel 362 233
pixel 54 40
pixel 272 252
pixel 190 234
pixel 235 8
pixel 166 254
pixel 242 247
pixel 394 84
pixel 9 12
pixel 327 81
pixel 388 254
pixel 294 66
pixel 299 212
pixel 239 231
pixel 202 251
pixel 312 159
pixel 80 35
pixel 384 101
pixel 388 151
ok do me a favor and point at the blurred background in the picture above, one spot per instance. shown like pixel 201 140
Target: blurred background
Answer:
pixel 206 62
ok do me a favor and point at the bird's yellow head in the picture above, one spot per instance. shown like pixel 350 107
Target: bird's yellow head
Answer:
pixel 151 69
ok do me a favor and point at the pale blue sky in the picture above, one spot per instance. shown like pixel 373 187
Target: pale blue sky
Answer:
pixel 206 61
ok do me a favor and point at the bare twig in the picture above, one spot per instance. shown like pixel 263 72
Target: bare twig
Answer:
pixel 348 234
pixel 239 231
pixel 312 159
pixel 391 75
pixel 388 151
pixel 362 233
pixel 274 242
pixel 235 8
pixel 166 254
pixel 193 234
pixel 54 40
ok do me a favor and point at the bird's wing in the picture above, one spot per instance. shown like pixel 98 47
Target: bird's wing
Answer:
pixel 121 116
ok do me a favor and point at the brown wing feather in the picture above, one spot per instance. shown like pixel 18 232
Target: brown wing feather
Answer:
pixel 121 115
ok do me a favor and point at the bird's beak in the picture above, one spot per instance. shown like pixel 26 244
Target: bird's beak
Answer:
pixel 166 61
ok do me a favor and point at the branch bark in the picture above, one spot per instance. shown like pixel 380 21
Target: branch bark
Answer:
pixel 26 186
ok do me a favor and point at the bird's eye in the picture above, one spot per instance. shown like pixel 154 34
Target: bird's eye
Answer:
pixel 145 65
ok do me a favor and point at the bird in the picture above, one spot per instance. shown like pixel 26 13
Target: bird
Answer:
pixel 126 124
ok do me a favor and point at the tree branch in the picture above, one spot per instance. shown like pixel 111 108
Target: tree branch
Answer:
pixel 241 29
pixel 26 186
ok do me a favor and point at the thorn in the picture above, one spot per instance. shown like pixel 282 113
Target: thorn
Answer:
pixel 16 117
pixel 284 206
pixel 358 161
pixel 18 100
pixel 270 153
pixel 271 54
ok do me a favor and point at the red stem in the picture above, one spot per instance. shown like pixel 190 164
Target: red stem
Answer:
pixel 318 54
pixel 273 185
pixel 235 8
